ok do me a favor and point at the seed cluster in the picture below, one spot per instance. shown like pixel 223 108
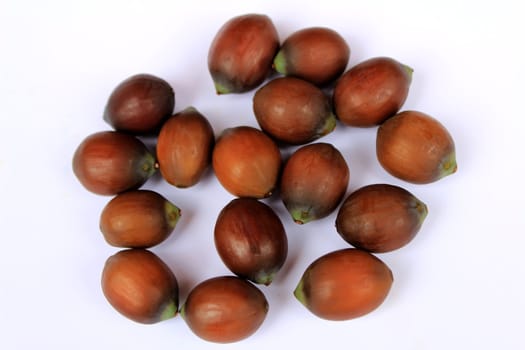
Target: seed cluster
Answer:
pixel 312 94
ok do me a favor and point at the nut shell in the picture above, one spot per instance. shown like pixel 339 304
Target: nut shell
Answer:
pixel 380 218
pixel 184 148
pixel 140 286
pixel 140 104
pixel 344 284
pixel 110 162
pixel 241 53
pixel 371 91
pixel 316 54
pixel 293 111
pixel 224 309
pixel 138 219
pixel 251 240
pixel 314 181
pixel 246 162
pixel 416 148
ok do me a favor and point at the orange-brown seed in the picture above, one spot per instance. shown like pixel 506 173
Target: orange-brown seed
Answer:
pixel 344 284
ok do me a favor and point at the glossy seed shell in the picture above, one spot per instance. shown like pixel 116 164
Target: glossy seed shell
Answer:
pixel 251 240
pixel 140 286
pixel 344 284
pixel 293 111
pixel 371 91
pixel 140 104
pixel 380 218
pixel 316 54
pixel 110 162
pixel 416 148
pixel 225 309
pixel 241 53
pixel 184 148
pixel 138 219
pixel 314 181
pixel 246 162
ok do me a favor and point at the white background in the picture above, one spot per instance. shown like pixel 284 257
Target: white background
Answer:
pixel 458 285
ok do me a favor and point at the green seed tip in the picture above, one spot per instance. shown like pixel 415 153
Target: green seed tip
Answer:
pixel 173 213
pixel 422 209
pixel 329 125
pixel 409 70
pixel 301 216
pixel 279 63
pixel 190 109
pixel 449 165
pixel 220 89
pixel 149 165
pixel 264 278
pixel 170 311
pixel 182 312
pixel 299 293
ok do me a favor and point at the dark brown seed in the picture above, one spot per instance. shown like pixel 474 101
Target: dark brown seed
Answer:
pixel 225 309
pixel 371 91
pixel 251 240
pixel 344 284
pixel 110 162
pixel 241 54
pixel 314 181
pixel 140 104
pixel 415 147
pixel 246 162
pixel 138 219
pixel 293 111
pixel 318 55
pixel 184 148
pixel 140 286
pixel 380 218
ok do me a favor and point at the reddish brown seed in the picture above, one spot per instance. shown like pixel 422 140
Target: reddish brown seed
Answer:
pixel 246 162
pixel 344 284
pixel 415 147
pixel 140 104
pixel 371 91
pixel 138 219
pixel 251 240
pixel 225 309
pixel 293 111
pixel 318 55
pixel 241 54
pixel 110 162
pixel 184 147
pixel 140 286
pixel 380 218
pixel 314 181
